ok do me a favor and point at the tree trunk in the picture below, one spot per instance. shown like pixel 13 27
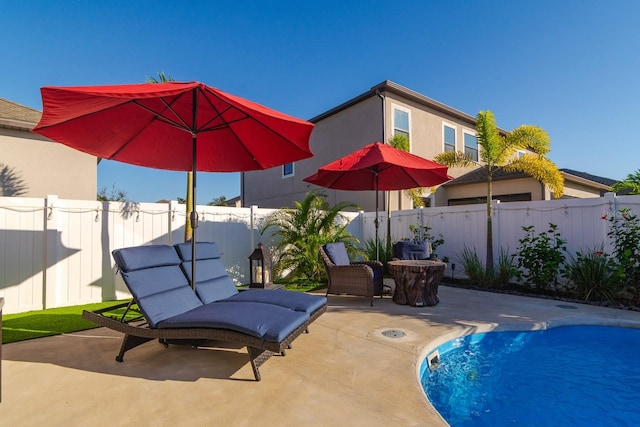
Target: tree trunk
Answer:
pixel 489 263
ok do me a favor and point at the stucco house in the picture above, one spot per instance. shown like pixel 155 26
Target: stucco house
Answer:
pixel 432 127
pixel 34 166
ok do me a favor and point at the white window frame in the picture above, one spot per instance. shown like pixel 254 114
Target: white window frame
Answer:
pixel 293 170
pixel 455 136
pixel 473 134
pixel 393 119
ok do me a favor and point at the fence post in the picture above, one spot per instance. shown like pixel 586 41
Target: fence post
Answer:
pixel 50 253
pixel 252 227
pixel 172 219
pixel 611 212
pixel 495 222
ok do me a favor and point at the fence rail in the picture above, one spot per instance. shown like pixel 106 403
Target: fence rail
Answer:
pixel 56 252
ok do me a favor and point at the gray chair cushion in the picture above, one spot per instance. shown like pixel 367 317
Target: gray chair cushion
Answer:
pixel 337 253
pixel 412 250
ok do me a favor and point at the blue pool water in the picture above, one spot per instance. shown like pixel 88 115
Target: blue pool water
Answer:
pixel 566 376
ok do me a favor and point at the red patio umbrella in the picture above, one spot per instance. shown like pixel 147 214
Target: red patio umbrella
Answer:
pixel 377 167
pixel 173 126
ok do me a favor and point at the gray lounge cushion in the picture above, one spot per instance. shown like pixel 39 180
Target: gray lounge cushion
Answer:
pixel 298 301
pixel 337 253
pixel 213 283
pixel 266 321
pixel 155 279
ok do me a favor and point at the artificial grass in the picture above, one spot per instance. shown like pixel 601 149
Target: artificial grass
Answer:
pixel 64 320
pixel 54 321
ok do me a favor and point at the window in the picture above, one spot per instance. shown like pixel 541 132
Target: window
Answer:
pixel 287 170
pixel 401 121
pixel 449 137
pixel 471 145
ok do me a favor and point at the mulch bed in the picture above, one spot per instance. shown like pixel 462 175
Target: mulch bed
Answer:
pixel 522 291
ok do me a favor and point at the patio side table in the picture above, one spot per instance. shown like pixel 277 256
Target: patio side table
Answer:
pixel 416 281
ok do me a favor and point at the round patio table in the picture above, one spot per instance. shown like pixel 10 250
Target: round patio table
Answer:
pixel 416 281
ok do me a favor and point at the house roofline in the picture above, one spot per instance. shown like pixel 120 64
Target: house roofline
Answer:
pixel 16 124
pixel 389 86
pixel 570 177
pixel 521 175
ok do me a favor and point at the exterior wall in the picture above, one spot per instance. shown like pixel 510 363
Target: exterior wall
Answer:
pixel 578 190
pixel 332 138
pixel 426 140
pixel 479 189
pixel 47 167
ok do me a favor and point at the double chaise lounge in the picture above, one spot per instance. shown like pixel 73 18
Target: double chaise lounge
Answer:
pixel 159 279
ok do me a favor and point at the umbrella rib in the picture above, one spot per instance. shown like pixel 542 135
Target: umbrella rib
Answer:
pixel 219 114
pixel 268 128
pixel 160 117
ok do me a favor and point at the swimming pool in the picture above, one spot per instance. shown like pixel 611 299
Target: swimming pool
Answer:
pixel 565 376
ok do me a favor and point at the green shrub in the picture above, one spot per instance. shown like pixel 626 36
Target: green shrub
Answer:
pixel 505 270
pixel 625 233
pixel 541 256
pixel 473 267
pixel 385 250
pixel 302 229
pixel 593 273
pixel 499 277
pixel 423 232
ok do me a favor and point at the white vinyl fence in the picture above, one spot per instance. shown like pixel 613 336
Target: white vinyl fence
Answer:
pixel 56 252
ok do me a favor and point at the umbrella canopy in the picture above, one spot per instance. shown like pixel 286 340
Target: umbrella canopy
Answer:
pixel 377 167
pixel 173 126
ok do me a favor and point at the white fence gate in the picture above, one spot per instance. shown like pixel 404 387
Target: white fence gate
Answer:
pixel 56 252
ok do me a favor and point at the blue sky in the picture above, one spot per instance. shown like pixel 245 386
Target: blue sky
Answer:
pixel 571 66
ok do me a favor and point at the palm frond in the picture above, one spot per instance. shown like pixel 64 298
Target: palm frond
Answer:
pixel 455 159
pixel 631 182
pixel 529 136
pixel 541 169
pixel 489 139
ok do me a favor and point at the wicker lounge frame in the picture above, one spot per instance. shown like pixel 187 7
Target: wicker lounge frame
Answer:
pixel 138 332
pixel 165 306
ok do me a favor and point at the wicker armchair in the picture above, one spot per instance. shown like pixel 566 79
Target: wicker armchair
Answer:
pixel 362 278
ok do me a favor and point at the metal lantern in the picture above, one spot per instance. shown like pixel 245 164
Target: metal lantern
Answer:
pixel 259 267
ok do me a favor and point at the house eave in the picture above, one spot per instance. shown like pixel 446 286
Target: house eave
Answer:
pixel 394 88
pixel 16 124
pixel 583 181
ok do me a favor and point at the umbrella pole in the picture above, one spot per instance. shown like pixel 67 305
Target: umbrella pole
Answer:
pixel 194 215
pixel 377 223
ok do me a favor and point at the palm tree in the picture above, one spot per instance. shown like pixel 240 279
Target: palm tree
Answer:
pixel 301 230
pixel 188 230
pixel 631 182
pixel 502 152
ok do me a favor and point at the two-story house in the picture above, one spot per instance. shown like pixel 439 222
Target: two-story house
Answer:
pixel 432 127
pixel 34 166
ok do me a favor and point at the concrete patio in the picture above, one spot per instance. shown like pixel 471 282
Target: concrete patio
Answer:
pixel 344 373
